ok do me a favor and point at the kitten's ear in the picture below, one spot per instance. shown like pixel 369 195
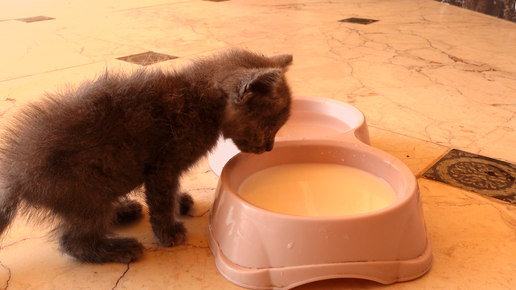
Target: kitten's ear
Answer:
pixel 283 60
pixel 259 81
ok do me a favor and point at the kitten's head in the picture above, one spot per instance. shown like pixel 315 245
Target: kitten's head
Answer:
pixel 258 99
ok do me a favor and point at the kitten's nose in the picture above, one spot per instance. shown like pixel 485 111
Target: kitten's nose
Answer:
pixel 269 145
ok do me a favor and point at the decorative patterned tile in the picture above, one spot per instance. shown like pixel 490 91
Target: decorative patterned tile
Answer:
pixel 476 173
pixel 35 19
pixel 364 21
pixel 147 58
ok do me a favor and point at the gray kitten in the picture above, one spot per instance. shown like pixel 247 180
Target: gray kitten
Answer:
pixel 74 156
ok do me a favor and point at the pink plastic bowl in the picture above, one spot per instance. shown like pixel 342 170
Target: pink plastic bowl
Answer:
pixel 260 249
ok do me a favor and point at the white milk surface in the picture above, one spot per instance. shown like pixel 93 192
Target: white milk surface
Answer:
pixel 317 189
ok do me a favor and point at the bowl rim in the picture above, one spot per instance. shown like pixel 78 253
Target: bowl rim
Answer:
pixel 314 104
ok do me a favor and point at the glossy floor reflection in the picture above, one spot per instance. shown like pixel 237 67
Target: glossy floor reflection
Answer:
pixel 428 76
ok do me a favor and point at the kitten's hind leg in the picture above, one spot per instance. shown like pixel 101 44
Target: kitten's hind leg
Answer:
pixel 127 210
pixel 161 193
pixel 185 203
pixel 87 238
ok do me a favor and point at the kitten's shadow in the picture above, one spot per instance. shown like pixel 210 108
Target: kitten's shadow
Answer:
pixel 138 228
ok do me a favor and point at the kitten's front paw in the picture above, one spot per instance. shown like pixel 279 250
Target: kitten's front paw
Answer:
pixel 172 235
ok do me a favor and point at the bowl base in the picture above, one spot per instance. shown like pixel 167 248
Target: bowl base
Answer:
pixel 385 272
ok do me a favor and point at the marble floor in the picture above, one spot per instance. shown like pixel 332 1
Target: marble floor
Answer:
pixel 429 78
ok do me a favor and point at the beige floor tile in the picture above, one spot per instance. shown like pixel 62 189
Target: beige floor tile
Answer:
pixel 44 48
pixel 427 76
pixel 415 153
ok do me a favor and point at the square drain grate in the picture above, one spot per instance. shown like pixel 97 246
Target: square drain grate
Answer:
pixel 35 19
pixel 363 21
pixel 147 58
pixel 476 173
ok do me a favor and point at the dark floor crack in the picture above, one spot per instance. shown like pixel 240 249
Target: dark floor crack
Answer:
pixel 197 216
pixel 197 246
pixel 9 278
pixel 122 276
pixel 16 242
